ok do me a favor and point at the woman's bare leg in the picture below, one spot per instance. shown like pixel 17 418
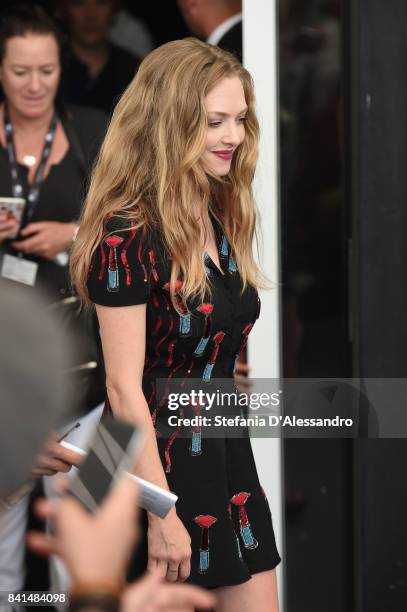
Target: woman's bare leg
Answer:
pixel 259 594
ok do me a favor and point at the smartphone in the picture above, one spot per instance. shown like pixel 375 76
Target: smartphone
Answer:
pixel 14 209
pixel 113 450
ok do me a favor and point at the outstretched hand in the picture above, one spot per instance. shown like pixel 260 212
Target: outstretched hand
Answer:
pixel 95 547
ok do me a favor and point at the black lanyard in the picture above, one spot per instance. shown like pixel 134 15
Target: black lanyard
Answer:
pixel 17 187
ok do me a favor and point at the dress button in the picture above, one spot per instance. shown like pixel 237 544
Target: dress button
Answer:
pixel 62 291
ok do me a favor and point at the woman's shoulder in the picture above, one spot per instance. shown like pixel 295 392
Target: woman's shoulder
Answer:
pixel 135 233
pixel 125 263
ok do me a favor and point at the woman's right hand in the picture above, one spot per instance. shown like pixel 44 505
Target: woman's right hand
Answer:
pixel 8 227
pixel 169 547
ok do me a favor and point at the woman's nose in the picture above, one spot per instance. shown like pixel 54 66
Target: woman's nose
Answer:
pixel 34 83
pixel 232 134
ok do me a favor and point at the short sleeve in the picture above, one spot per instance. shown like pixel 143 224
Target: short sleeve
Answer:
pixel 121 271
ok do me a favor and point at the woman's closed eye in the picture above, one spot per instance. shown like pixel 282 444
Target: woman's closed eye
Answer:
pixel 214 124
pixel 46 71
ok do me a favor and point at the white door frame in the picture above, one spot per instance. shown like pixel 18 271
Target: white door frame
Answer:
pixel 260 58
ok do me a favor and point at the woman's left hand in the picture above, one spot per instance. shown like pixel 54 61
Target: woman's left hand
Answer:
pixel 45 238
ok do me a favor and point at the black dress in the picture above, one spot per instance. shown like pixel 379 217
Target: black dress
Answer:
pixel 221 502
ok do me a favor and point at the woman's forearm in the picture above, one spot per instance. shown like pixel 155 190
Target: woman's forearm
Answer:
pixel 130 405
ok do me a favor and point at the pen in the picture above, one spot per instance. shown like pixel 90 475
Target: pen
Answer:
pixel 66 434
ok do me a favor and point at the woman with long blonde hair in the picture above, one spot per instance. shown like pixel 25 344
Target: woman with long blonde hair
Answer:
pixel 164 250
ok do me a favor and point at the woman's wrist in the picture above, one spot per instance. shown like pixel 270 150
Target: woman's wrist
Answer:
pixel 154 519
pixel 95 602
pixel 105 586
pixel 103 595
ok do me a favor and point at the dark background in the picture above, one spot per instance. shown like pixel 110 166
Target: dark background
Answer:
pixel 380 256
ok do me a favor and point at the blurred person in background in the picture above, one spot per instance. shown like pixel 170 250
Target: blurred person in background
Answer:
pixel 218 22
pixel 96 71
pixel 130 32
pixel 35 397
pixel 45 152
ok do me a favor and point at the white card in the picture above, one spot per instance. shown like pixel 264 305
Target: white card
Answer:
pixel 73 448
pixel 154 499
pixel 19 270
pixel 151 497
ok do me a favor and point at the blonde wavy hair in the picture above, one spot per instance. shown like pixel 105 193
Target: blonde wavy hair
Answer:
pixel 149 169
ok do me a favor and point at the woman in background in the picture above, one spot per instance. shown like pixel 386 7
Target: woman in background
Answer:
pixel 164 250
pixel 45 152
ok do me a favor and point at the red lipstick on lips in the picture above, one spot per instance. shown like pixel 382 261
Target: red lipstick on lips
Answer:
pixel 226 155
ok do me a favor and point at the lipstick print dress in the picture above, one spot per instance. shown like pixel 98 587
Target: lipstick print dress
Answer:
pixel 220 500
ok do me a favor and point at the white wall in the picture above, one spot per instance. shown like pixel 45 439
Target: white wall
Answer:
pixel 260 58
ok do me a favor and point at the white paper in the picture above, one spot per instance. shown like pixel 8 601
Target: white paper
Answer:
pixel 153 498
pixel 73 448
pixel 19 270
